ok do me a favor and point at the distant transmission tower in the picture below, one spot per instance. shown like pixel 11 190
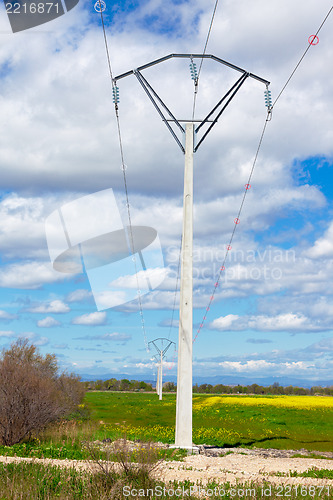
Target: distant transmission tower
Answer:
pixel 184 377
pixel 161 345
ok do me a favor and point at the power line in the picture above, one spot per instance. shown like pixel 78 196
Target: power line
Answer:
pixel 208 35
pixel 301 59
pixel 123 167
pixel 196 83
pixel 236 222
pixel 248 185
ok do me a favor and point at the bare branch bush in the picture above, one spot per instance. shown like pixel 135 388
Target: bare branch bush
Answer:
pixel 32 394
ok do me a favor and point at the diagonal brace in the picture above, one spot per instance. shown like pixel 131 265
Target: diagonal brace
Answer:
pixel 233 91
pixel 151 94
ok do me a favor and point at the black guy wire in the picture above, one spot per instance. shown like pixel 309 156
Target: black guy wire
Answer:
pixel 196 83
pixel 123 167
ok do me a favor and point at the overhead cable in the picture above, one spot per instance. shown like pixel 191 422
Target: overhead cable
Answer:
pixel 248 185
pixel 301 59
pixel 236 222
pixel 196 83
pixel 115 94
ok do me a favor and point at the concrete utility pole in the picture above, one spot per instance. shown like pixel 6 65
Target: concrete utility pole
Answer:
pixel 175 127
pixel 184 375
pixel 158 380
pixel 161 378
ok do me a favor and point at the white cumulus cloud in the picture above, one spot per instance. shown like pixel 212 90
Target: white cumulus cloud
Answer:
pixel 293 322
pixel 29 275
pixel 7 333
pixel 55 307
pixel 224 322
pixel 323 246
pixel 48 322
pixel 79 295
pixel 6 316
pixel 90 319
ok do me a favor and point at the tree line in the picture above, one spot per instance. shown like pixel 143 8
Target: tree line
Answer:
pixel 275 389
pixel 113 384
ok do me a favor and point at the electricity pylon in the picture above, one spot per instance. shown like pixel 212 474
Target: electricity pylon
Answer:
pixel 183 437
pixel 161 352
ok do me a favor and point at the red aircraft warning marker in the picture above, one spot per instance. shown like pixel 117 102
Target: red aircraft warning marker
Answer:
pixel 313 40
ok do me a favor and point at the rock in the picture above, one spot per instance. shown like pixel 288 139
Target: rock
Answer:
pixel 215 451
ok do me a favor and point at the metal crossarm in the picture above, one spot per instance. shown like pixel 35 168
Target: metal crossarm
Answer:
pixel 193 56
pixel 166 114
pixel 158 349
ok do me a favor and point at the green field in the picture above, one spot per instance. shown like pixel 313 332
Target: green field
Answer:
pixel 284 422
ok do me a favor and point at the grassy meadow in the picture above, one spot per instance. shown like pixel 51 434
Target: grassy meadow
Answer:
pixel 284 422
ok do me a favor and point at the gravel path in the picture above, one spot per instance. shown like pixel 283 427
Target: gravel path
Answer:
pixel 235 467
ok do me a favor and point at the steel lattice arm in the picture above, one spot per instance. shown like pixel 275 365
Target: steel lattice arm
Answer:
pixel 168 117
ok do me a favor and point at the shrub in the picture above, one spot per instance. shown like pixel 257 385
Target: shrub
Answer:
pixel 32 392
pixel 127 464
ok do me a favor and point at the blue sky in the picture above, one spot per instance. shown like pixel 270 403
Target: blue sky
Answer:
pixel 272 314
